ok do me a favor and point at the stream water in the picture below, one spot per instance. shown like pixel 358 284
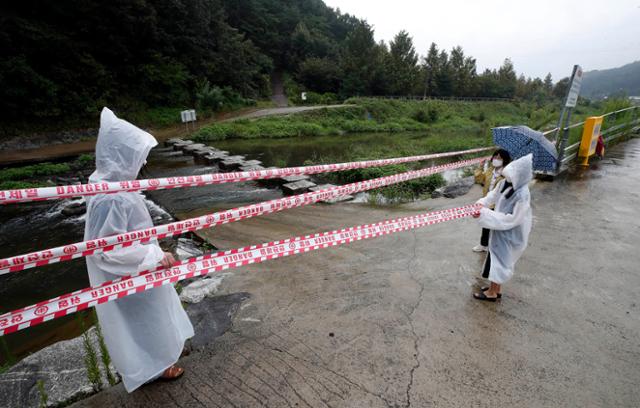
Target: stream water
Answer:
pixel 29 227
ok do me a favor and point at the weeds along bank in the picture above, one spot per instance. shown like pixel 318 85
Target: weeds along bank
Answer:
pixel 376 115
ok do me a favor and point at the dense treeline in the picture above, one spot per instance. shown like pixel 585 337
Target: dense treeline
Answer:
pixel 68 58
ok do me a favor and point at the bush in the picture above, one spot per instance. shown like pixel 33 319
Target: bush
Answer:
pixel 213 98
pixel 27 172
pixel 320 99
pixel 154 117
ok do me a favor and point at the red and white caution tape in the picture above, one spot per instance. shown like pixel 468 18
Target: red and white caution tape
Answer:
pixel 112 290
pixel 85 248
pixel 60 192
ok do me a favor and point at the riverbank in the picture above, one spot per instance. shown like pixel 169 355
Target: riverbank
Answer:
pixel 366 115
pixel 64 145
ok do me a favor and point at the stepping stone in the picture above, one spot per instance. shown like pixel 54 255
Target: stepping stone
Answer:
pixel 215 157
pixel 333 200
pixel 297 187
pixel 271 182
pixel 188 149
pixel 181 144
pixel 253 163
pixel 230 164
pixel 160 150
pixel 293 179
pixel 170 153
pixel 237 157
pixel 199 155
pixel 172 141
pixel 202 152
pixel 255 167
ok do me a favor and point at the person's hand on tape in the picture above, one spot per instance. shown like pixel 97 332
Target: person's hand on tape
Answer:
pixel 168 260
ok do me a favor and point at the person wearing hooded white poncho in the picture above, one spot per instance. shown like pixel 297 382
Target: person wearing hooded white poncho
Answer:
pixel 144 332
pixel 510 224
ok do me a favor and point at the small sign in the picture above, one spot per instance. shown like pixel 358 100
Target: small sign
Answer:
pixel 303 96
pixel 188 116
pixel 574 87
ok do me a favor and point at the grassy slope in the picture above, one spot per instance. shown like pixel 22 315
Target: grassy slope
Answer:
pixel 371 115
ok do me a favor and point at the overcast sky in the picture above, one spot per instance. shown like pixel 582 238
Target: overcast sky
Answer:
pixel 539 36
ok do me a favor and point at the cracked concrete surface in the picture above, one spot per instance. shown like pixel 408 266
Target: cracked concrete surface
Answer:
pixel 391 322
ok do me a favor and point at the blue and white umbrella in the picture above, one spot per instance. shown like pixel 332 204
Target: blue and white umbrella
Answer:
pixel 519 141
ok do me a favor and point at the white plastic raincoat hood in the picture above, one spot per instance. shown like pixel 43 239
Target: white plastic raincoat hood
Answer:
pixel 145 332
pixel 510 223
pixel 121 150
pixel 519 172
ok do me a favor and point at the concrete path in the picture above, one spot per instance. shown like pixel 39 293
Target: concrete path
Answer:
pixel 390 322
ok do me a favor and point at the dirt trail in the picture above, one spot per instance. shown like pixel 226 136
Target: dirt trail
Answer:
pixel 62 151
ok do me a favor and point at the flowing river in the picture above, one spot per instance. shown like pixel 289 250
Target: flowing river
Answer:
pixel 28 227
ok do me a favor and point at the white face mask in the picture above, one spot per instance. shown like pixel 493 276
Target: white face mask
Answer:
pixel 496 163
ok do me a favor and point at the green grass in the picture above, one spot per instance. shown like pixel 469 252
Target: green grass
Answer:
pixel 36 175
pixel 322 122
pixel 390 116
pixel 36 170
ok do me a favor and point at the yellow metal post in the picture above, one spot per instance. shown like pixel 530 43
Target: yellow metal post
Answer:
pixel 589 141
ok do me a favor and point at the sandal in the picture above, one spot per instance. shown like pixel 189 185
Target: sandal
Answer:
pixel 486 288
pixel 482 296
pixel 172 373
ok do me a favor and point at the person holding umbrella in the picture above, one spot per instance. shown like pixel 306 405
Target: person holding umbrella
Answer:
pixel 509 225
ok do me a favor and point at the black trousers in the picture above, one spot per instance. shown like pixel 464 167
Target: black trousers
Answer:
pixel 487 266
pixel 484 239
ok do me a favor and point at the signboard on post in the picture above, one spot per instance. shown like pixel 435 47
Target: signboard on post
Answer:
pixel 188 116
pixel 574 87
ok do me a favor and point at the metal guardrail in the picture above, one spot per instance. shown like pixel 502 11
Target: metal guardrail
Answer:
pixel 615 132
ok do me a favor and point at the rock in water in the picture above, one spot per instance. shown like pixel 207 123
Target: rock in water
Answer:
pixel 61 369
pixel 458 188
pixel 74 209
pixel 187 248
pixel 298 187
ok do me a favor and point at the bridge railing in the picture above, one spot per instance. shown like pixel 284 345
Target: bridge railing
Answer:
pixel 610 135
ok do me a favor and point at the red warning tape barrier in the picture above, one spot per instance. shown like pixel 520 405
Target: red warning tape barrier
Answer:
pixel 60 192
pixel 85 248
pixel 109 291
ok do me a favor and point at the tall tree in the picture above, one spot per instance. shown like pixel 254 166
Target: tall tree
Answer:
pixel 443 75
pixel 508 79
pixel 430 71
pixel 548 84
pixel 403 65
pixel 360 55
pixel 463 72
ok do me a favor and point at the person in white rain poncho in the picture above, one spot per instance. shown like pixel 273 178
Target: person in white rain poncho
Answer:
pixel 510 224
pixel 145 332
